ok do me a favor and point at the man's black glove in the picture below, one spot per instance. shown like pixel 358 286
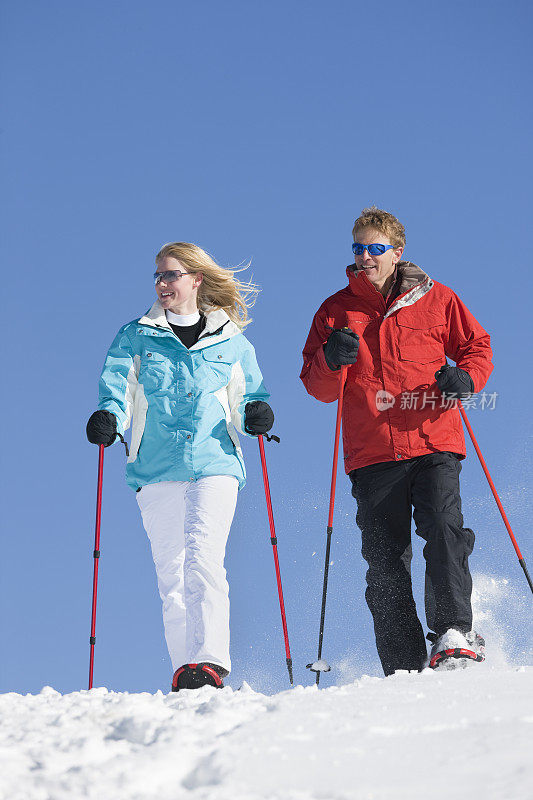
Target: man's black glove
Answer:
pixel 341 348
pixel 102 428
pixel 258 417
pixel 454 382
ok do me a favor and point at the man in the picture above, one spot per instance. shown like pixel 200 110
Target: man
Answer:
pixel 393 327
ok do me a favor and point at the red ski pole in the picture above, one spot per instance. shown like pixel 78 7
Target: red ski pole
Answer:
pixel 274 542
pixel 96 556
pixel 521 560
pixel 317 667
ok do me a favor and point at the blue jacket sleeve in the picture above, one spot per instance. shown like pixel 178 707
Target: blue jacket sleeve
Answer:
pixel 118 381
pixel 246 384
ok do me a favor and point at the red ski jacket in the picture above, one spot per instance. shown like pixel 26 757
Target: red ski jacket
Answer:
pixel 392 407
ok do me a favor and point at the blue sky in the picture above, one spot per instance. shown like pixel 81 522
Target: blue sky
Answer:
pixel 258 131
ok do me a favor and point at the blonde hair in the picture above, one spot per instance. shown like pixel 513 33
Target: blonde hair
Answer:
pixel 219 287
pixel 383 222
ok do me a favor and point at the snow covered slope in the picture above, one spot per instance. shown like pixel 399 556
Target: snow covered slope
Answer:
pixel 409 736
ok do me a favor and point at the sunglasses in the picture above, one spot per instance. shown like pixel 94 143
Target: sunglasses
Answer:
pixel 169 276
pixel 373 249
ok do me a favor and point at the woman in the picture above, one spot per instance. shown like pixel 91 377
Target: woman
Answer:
pixel 187 378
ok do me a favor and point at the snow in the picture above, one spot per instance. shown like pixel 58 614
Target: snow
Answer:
pixel 319 666
pixel 406 736
pixel 411 736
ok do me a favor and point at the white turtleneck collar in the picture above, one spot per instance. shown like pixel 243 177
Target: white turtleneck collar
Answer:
pixel 182 320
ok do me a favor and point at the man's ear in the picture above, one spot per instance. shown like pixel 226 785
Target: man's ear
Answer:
pixel 398 252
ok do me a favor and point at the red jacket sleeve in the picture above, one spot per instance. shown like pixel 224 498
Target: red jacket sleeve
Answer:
pixel 468 343
pixel 319 380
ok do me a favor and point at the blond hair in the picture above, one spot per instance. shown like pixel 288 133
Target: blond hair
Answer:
pixel 380 221
pixel 219 287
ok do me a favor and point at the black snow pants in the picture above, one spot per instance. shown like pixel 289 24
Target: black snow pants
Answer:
pixel 386 495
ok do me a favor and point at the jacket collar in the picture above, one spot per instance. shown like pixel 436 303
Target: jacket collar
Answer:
pixel 156 317
pixel 218 323
pixel 410 276
pixel 414 283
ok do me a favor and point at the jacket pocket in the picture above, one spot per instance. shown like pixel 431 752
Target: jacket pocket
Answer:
pixel 420 337
pixel 154 372
pixel 217 367
pixel 357 321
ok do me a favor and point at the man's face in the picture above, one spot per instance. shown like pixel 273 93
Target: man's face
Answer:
pixel 377 268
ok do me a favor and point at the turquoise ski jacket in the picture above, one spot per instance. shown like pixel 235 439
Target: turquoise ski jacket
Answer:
pixel 185 405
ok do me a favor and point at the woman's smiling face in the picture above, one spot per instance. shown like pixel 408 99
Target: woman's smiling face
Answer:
pixel 180 295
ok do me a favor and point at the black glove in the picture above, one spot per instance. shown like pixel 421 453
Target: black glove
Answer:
pixel 341 348
pixel 454 382
pixel 258 417
pixel 102 428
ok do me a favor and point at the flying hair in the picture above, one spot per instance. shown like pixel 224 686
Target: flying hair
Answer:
pixel 219 287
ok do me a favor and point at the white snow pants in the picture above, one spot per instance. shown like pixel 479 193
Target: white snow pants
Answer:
pixel 188 525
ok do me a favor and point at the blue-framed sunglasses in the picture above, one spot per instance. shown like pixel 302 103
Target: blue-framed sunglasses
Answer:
pixel 373 249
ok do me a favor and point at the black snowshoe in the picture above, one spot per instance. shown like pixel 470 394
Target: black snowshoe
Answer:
pixel 193 676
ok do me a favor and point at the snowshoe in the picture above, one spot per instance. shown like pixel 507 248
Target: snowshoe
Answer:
pixel 193 676
pixel 454 649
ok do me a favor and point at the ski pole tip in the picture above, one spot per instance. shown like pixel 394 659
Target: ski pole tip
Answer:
pixel 289 667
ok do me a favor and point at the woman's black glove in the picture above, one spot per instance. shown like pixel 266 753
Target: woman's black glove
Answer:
pixel 341 348
pixel 102 428
pixel 454 382
pixel 258 417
